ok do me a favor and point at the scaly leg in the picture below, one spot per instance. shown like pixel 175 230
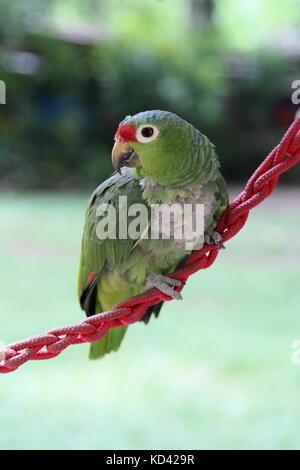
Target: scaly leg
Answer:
pixel 214 238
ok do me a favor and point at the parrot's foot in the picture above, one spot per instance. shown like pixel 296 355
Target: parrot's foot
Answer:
pixel 163 283
pixel 214 238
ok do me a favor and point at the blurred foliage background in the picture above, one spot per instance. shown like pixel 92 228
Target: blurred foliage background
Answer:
pixel 74 69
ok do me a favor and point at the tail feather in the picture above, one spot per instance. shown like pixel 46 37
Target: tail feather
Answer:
pixel 153 310
pixel 110 342
pixel 113 338
pixel 88 297
pixel 90 304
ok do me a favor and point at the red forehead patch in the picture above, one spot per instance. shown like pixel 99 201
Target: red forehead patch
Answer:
pixel 126 133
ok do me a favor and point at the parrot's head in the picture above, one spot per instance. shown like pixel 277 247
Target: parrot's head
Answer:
pixel 162 146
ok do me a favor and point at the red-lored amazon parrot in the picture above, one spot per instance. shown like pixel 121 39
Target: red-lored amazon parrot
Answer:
pixel 160 159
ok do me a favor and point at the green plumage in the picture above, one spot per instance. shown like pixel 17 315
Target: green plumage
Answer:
pixel 172 167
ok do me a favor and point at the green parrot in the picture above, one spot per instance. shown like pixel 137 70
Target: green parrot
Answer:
pixel 160 159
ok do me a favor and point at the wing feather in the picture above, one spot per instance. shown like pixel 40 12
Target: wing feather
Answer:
pixel 97 254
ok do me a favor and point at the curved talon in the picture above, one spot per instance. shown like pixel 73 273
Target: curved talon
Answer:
pixel 163 283
pixel 214 239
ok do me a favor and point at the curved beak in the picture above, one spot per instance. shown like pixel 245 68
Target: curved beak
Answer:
pixel 123 155
pixel 118 153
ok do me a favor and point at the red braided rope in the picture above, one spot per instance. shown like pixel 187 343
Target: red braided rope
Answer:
pixel 259 187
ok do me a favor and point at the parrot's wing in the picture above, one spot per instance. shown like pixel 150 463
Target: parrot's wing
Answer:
pixel 222 197
pixel 97 253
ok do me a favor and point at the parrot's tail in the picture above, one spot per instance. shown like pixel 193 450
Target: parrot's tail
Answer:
pixel 153 310
pixel 110 342
pixel 90 304
pixel 113 338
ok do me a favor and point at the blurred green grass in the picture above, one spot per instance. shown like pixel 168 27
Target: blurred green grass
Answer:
pixel 213 372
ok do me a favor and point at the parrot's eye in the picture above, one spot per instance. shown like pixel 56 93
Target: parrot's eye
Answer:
pixel 147 134
pixel 147 131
